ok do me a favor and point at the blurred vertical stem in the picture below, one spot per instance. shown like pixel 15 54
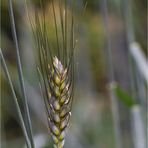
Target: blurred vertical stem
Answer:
pixel 130 38
pixel 15 99
pixel 133 50
pixel 137 126
pixel 20 73
pixel 114 103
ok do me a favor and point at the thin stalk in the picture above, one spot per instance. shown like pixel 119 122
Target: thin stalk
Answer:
pixel 130 38
pixel 140 60
pixel 71 57
pixel 15 100
pixel 0 112
pixel 114 104
pixel 20 73
pixel 134 50
pixel 138 127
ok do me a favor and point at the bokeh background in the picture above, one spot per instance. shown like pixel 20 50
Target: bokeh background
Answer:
pixel 100 119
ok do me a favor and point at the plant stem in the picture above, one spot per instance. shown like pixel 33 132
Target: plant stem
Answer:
pixel 15 99
pixel 20 73
pixel 114 103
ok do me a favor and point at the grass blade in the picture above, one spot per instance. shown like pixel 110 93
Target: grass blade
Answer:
pixel 114 103
pixel 15 99
pixel 20 73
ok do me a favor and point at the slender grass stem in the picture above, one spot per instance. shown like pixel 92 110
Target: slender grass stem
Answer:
pixel 114 103
pixel 130 38
pixel 15 99
pixel 134 50
pixel 20 73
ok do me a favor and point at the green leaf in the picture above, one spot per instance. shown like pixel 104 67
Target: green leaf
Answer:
pixel 124 96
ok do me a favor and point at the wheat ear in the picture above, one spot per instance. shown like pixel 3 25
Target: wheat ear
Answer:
pixel 59 102
pixel 56 68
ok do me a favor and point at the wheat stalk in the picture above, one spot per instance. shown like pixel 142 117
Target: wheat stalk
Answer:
pixel 56 69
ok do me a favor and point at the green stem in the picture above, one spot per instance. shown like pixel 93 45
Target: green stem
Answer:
pixel 29 127
pixel 15 99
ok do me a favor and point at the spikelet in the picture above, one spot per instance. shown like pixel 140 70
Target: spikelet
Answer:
pixel 59 102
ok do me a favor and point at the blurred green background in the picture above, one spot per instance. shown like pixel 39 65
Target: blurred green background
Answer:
pixel 92 122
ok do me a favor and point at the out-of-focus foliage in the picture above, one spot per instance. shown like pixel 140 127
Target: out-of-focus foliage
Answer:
pixel 123 96
pixel 92 120
pixel 140 22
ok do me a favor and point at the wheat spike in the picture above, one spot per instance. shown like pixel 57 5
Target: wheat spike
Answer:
pixel 59 102
pixel 56 68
